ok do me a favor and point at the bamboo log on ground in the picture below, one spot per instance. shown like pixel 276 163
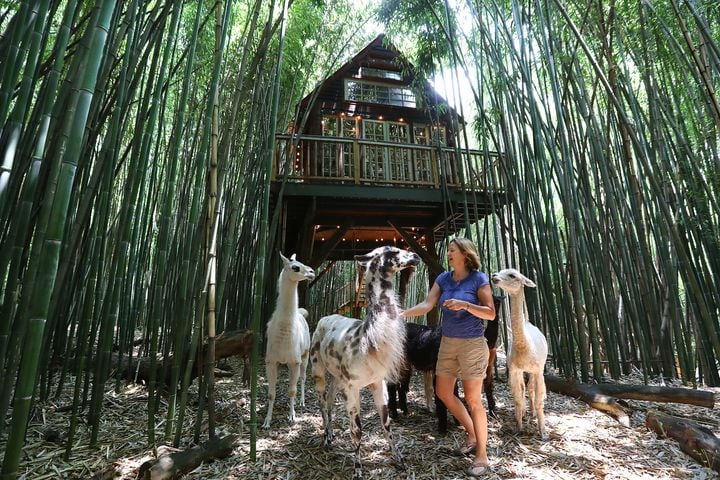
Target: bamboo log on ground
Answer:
pixel 694 439
pixel 648 393
pixel 587 394
pixel 227 344
pixel 688 396
pixel 174 465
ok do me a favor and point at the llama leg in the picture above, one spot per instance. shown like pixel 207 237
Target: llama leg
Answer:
pixel 352 404
pixel 378 391
pixel 517 387
pixel 292 387
pixel 318 372
pixel 303 375
pixel 489 384
pixel 392 399
pixel 329 399
pixel 531 392
pixel 540 403
pixel 429 391
pixel 404 389
pixel 271 369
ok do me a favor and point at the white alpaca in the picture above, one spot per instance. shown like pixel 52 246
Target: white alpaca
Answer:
pixel 288 335
pixel 528 349
pixel 360 353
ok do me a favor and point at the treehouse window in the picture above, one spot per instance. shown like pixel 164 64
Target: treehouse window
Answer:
pixel 421 158
pixel 439 135
pixel 336 159
pixel 380 73
pixel 363 91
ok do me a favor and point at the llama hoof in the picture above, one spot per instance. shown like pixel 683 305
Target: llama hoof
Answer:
pixel 266 425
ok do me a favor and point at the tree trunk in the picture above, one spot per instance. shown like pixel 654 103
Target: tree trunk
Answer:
pixel 696 440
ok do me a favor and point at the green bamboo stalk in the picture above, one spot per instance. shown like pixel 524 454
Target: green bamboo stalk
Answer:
pixel 180 330
pixel 51 248
pixel 261 265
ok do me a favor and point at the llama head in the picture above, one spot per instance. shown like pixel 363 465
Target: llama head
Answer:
pixel 511 280
pixel 387 260
pixel 296 271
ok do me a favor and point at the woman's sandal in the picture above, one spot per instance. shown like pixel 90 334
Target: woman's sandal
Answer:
pixel 476 470
pixel 466 449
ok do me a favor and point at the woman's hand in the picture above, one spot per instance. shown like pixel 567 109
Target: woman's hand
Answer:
pixel 455 305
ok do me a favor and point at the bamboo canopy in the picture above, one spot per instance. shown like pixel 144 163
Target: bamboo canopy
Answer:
pixel 136 146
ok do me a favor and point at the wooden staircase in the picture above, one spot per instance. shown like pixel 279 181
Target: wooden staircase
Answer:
pixel 353 296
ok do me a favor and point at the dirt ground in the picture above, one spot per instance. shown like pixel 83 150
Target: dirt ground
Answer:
pixel 583 444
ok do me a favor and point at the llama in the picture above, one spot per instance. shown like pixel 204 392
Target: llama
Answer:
pixel 288 335
pixel 360 353
pixel 527 351
pixel 422 345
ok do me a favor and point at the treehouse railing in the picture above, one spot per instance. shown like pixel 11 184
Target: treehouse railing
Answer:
pixel 316 159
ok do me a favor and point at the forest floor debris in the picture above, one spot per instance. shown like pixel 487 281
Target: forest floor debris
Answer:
pixel 584 443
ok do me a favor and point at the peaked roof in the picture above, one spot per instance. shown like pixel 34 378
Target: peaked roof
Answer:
pixel 372 49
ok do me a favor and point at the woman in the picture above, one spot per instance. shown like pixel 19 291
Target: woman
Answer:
pixel 465 296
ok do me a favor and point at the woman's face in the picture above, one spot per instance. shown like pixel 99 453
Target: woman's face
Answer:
pixel 455 257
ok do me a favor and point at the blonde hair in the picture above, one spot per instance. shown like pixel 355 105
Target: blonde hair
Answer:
pixel 469 250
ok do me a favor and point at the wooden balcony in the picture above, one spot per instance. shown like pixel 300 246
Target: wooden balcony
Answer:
pixel 316 160
pixel 345 196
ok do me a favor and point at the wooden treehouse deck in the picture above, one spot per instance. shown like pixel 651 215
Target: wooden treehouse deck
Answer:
pixel 344 196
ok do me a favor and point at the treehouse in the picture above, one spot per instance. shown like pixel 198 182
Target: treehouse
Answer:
pixel 372 160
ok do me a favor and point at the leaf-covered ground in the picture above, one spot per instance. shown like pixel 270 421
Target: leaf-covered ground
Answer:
pixel 583 444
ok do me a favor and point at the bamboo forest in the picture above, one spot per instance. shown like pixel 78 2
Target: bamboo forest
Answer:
pixel 215 216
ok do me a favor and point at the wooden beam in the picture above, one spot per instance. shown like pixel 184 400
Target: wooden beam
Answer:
pixel 330 244
pixel 323 272
pixel 432 262
pixel 307 237
pixel 307 232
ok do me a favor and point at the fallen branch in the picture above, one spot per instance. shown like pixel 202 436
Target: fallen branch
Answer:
pixel 227 344
pixel 696 440
pixel 589 395
pixel 168 467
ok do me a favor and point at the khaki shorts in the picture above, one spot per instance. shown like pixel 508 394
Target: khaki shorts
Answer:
pixel 463 358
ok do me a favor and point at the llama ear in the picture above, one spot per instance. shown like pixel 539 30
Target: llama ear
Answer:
pixel 363 260
pixel 528 283
pixel 285 260
pixel 292 257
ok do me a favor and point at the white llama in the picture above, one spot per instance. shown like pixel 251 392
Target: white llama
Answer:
pixel 360 353
pixel 288 335
pixel 528 349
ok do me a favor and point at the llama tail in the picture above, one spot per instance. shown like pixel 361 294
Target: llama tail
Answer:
pixel 303 312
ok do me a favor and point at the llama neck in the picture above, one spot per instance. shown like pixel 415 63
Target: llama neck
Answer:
pixel 287 300
pixel 517 319
pixel 383 333
pixel 382 308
